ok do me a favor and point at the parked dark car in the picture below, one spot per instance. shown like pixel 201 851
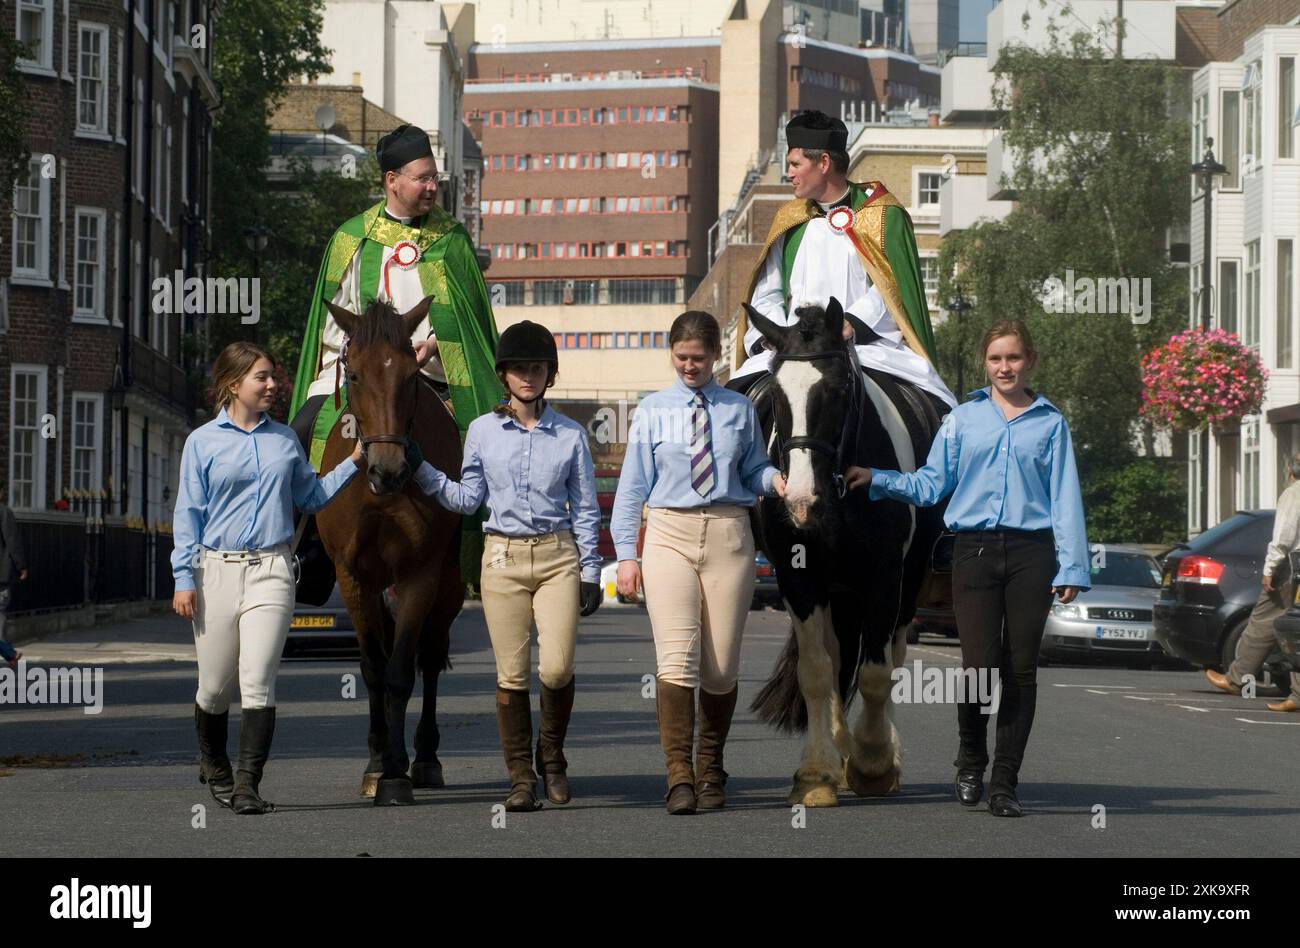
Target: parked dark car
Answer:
pixel 934 613
pixel 766 592
pixel 322 631
pixel 1208 587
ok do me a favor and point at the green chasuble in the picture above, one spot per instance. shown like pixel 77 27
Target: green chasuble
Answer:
pixel 460 315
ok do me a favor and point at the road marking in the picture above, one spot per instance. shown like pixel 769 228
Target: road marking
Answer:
pixel 1192 707
pixel 1090 687
pixel 930 651
pixel 1288 723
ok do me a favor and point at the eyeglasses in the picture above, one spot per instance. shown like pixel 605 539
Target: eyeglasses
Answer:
pixel 424 180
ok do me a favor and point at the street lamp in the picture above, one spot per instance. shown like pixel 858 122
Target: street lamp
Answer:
pixel 257 237
pixel 1204 172
pixel 957 305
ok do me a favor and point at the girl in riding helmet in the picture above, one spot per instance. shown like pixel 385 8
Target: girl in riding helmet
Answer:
pixel 533 468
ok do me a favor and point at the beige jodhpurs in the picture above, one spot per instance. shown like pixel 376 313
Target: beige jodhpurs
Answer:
pixel 533 579
pixel 241 619
pixel 698 569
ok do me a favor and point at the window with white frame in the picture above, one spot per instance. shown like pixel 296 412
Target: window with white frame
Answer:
pixel 31 241
pixel 36 30
pixel 26 446
pixel 1253 107
pixel 1286 107
pixel 137 143
pixel 930 277
pixel 1200 125
pixel 1250 464
pixel 121 85
pixel 87 440
pixel 158 139
pixel 167 178
pixel 88 262
pixel 1229 275
pixel 92 78
pixel 1250 329
pixel 927 188
pixel 1230 138
pixel 1285 298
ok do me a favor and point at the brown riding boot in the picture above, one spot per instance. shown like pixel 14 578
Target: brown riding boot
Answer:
pixel 715 722
pixel 675 706
pixel 552 766
pixel 515 722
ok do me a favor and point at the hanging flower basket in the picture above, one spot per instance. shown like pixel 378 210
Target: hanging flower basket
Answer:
pixel 1201 378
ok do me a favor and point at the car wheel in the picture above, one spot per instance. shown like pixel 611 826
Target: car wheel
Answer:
pixel 1228 651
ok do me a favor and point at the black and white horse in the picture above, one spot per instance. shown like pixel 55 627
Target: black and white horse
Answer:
pixel 849 568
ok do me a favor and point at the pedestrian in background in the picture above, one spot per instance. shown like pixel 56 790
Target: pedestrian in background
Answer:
pixel 1276 591
pixel 13 564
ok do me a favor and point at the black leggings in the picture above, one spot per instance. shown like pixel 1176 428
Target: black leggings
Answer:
pixel 1001 594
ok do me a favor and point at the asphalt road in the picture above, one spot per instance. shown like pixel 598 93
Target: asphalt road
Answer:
pixel 1180 770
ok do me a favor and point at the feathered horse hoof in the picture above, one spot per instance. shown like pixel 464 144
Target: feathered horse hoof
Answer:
pixel 808 792
pixel 880 785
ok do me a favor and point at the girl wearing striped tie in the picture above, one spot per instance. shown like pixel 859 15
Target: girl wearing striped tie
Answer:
pixel 695 456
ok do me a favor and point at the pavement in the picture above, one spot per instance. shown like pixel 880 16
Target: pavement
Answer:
pixel 1121 763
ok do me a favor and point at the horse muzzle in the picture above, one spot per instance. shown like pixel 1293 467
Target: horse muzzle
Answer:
pixel 386 480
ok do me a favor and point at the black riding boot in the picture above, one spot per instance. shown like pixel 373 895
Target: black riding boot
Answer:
pixel 256 729
pixel 1015 720
pixel 972 752
pixel 214 764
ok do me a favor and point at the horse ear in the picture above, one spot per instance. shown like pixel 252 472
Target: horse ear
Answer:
pixel 834 316
pixel 416 314
pixel 771 331
pixel 346 319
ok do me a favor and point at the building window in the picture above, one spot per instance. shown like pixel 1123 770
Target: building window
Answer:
pixel 32 224
pixel 1250 333
pixel 36 30
pixel 1228 304
pixel 87 441
pixel 1286 107
pixel 1230 138
pixel 137 143
pixel 642 291
pixel 1250 464
pixel 26 457
pixel 92 79
pixel 88 263
pixel 1253 106
pixel 930 277
pixel 1285 302
pixel 928 189
pixel 1200 126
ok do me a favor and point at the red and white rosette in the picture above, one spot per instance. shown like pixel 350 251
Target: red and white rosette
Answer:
pixel 840 219
pixel 405 255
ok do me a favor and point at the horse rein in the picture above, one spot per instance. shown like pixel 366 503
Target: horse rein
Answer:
pixel 820 445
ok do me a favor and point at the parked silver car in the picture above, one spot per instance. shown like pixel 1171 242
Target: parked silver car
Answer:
pixel 1113 619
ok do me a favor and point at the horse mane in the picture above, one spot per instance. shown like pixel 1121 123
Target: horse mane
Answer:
pixel 380 324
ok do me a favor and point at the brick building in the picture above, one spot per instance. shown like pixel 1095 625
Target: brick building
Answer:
pixel 97 400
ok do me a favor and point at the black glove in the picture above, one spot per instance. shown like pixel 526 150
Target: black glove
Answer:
pixel 414 457
pixel 590 598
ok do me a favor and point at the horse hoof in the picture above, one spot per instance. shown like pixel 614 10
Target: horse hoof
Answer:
pixel 427 775
pixel 881 785
pixel 394 791
pixel 369 781
pixel 820 795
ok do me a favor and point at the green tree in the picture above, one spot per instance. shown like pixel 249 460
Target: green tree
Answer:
pixel 1142 502
pixel 15 110
pixel 1101 176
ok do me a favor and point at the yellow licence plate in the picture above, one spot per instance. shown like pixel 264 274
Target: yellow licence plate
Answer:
pixel 312 622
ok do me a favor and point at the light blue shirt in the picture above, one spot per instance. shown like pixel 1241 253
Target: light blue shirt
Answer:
pixel 238 489
pixel 535 482
pixel 1015 475
pixel 657 467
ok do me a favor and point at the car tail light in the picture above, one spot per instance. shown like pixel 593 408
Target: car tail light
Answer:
pixel 1200 569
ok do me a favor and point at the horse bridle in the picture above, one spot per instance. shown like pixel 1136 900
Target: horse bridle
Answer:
pixel 835 452
pixel 366 442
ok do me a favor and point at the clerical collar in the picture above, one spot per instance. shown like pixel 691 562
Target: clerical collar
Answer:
pixel 844 200
pixel 405 221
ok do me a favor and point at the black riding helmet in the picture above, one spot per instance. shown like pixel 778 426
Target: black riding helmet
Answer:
pixel 526 342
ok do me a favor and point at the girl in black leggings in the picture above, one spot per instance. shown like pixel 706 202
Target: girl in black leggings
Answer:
pixel 1006 458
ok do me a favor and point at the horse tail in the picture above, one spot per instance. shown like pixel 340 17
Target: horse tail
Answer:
pixel 780 703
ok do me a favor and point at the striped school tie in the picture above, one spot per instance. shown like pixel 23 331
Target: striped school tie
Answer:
pixel 703 474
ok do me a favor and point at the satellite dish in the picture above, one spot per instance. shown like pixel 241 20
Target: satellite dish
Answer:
pixel 325 117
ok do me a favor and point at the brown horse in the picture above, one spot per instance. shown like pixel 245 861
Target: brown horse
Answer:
pixel 383 531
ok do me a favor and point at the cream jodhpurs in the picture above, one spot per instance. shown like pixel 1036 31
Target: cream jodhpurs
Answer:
pixel 526 580
pixel 245 603
pixel 698 569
